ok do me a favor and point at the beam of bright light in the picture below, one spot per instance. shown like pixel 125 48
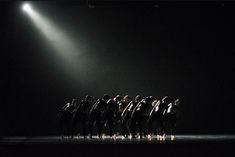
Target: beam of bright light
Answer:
pixel 56 37
pixel 26 7
pixel 70 52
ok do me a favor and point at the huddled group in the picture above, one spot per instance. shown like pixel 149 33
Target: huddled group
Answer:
pixel 141 117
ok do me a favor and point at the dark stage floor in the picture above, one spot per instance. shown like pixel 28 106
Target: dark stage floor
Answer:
pixel 184 146
pixel 118 140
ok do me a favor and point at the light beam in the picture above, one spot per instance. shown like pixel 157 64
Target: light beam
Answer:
pixel 72 58
pixel 26 7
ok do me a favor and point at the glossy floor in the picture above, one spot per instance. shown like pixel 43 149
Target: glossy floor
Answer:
pixel 118 139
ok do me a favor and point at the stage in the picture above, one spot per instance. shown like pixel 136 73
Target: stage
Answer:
pixel 184 146
pixel 117 140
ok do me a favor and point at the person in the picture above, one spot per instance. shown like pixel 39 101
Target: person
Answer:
pixel 122 105
pixel 111 114
pixel 152 122
pixel 82 114
pixel 65 118
pixel 157 116
pixel 126 116
pixel 140 115
pixel 172 115
pixel 96 115
pixel 75 117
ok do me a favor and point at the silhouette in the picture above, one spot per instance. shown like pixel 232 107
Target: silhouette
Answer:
pixel 140 116
pixel 153 118
pixel 157 118
pixel 172 116
pixel 111 114
pixel 126 116
pixel 143 116
pixel 82 115
pixel 65 118
pixel 74 117
pixel 97 114
pixel 122 105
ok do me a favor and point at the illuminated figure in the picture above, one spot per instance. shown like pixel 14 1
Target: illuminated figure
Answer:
pixel 65 119
pixel 74 118
pixel 172 115
pixel 82 115
pixel 157 118
pixel 111 114
pixel 140 114
pixel 96 115
pixel 122 105
pixel 126 116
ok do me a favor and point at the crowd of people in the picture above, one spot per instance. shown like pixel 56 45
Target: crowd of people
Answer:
pixel 141 117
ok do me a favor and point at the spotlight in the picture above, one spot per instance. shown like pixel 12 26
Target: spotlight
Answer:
pixel 26 7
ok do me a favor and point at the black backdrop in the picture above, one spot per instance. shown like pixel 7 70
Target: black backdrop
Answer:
pixel 184 51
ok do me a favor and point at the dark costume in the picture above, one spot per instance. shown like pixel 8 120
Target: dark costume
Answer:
pixel 157 118
pixel 122 105
pixel 65 118
pixel 126 116
pixel 172 116
pixel 96 115
pixel 140 115
pixel 82 115
pixel 110 115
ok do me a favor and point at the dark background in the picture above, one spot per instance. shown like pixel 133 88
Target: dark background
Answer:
pixel 184 50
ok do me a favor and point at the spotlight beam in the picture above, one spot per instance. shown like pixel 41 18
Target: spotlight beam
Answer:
pixel 72 59
pixel 26 7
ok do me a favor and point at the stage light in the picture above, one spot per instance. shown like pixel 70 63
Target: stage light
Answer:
pixel 69 54
pixel 26 7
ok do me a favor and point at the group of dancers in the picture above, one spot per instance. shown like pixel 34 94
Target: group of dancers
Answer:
pixel 141 117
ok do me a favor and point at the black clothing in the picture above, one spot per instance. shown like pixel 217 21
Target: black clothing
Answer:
pixel 65 118
pixel 85 107
pixel 157 119
pixel 121 106
pixel 139 117
pixel 126 116
pixel 171 117
pixel 111 114
pixel 96 115
pixel 81 116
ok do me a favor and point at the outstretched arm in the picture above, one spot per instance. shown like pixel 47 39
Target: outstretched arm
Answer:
pixel 124 111
pixel 135 108
pixel 153 109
